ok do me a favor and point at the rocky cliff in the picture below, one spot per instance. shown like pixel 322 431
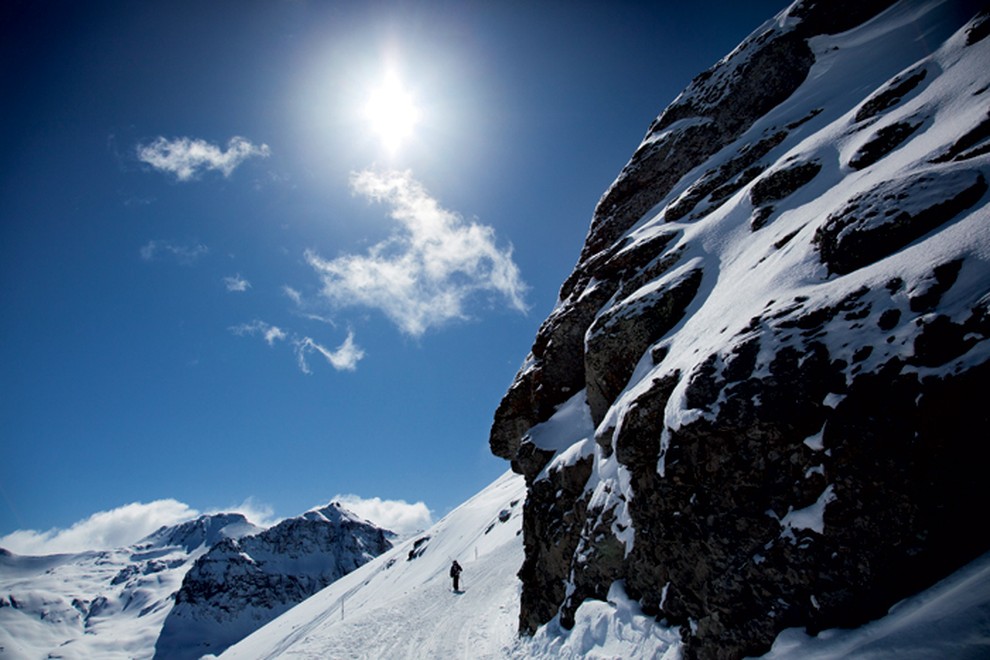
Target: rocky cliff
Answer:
pixel 241 584
pixel 759 399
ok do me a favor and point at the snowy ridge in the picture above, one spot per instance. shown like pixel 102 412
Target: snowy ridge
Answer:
pixel 401 605
pixel 170 592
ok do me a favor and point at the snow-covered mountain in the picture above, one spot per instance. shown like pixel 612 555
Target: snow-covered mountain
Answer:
pixel 758 401
pixel 102 604
pixel 241 584
pixel 182 591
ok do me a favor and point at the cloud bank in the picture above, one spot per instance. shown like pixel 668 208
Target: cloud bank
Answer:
pixel 423 275
pixel 401 517
pixel 187 157
pixel 257 513
pixel 101 531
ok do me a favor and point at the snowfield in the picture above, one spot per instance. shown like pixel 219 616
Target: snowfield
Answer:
pixel 402 605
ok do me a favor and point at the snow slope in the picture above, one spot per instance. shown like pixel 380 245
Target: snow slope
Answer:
pixel 401 604
pixel 397 607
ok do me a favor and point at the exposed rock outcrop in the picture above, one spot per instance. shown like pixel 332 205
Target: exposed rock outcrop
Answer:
pixel 779 332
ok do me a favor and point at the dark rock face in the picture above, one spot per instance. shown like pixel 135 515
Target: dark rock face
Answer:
pixel 241 584
pixel 781 354
pixel 714 110
pixel 619 337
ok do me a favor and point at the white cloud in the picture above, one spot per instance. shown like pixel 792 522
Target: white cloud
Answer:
pixel 183 253
pixel 271 333
pixel 344 358
pixel 423 275
pixel 258 513
pixel 401 517
pixel 107 529
pixel 292 295
pixel 236 283
pixel 187 157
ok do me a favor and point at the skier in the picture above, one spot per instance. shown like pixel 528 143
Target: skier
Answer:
pixel 455 573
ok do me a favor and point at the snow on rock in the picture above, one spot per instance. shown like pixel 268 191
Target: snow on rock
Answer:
pixel 780 322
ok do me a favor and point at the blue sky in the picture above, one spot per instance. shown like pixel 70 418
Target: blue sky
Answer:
pixel 221 286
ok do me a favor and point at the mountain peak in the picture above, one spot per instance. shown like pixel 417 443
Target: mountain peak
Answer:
pixel 242 583
pixel 204 531
pixel 333 512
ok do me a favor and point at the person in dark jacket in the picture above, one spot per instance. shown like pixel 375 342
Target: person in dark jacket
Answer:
pixel 455 573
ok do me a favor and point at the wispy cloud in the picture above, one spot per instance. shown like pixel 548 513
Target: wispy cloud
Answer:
pixel 304 307
pixel 399 516
pixel 270 333
pixel 344 358
pixel 185 253
pixel 256 512
pixel 293 295
pixel 236 283
pixel 423 275
pixel 187 157
pixel 107 529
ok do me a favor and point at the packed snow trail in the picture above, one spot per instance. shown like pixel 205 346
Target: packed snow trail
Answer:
pixel 427 620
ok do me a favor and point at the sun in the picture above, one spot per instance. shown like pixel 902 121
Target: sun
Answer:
pixel 392 113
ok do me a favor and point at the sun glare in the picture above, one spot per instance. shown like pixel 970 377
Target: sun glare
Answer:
pixel 392 114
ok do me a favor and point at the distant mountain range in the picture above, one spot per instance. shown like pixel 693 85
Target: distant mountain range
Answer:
pixel 168 589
